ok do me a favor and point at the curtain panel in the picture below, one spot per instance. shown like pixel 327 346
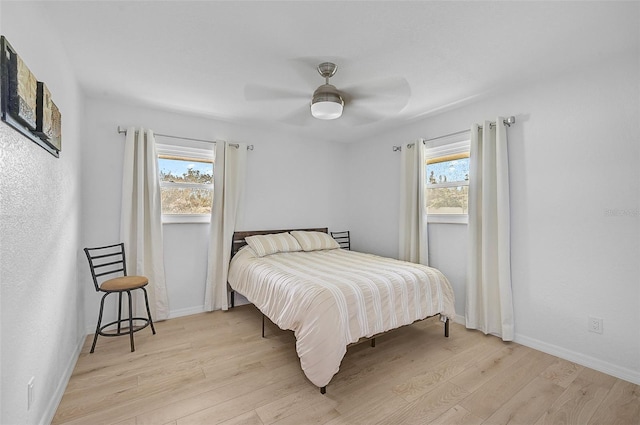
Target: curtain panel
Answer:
pixel 413 243
pixel 229 180
pixel 489 304
pixel 141 219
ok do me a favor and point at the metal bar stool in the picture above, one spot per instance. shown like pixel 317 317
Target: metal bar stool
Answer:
pixel 110 260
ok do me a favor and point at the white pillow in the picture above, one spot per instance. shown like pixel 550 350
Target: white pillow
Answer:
pixel 272 243
pixel 313 241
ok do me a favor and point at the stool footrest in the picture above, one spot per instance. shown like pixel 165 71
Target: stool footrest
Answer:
pixel 124 330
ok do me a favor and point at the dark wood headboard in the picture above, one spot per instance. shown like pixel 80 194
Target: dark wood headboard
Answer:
pixel 238 237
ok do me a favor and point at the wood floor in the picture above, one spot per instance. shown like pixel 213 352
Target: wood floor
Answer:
pixel 214 368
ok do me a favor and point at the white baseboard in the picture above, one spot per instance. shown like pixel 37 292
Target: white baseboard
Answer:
pixel 186 312
pixel 572 356
pixel 459 320
pixel 50 411
pixel 581 359
pixel 172 315
pixel 239 300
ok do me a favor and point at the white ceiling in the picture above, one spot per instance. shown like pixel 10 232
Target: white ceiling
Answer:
pixel 214 58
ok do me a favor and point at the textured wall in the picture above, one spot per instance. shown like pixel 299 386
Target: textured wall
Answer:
pixel 39 237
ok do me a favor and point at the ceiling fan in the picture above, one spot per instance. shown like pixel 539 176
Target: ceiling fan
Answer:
pixel 356 104
pixel 327 104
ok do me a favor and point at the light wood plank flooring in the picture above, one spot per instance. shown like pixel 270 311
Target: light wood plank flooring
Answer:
pixel 214 368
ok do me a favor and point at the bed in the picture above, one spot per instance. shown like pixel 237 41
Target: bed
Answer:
pixel 331 297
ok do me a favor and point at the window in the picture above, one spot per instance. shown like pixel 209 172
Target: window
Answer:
pixel 447 183
pixel 186 183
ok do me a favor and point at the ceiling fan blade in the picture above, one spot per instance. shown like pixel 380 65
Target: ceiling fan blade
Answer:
pixel 255 92
pixel 385 96
pixel 355 116
pixel 300 117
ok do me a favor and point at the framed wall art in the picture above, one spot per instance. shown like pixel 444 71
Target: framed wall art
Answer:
pixel 26 103
pixel 48 119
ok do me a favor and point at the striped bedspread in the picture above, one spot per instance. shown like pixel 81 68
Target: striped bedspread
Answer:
pixel 332 298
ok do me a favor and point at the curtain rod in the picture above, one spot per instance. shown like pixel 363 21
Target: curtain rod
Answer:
pixel 235 145
pixel 507 122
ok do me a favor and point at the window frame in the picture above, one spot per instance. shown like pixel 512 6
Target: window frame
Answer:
pixel 444 147
pixel 179 152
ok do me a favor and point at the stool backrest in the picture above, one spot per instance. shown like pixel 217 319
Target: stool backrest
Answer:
pixel 343 238
pixel 106 260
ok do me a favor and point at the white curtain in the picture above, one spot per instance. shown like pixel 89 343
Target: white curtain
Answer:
pixel 413 216
pixel 141 219
pixel 489 305
pixel 228 181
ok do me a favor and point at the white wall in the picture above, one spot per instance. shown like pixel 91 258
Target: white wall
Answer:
pixel 574 157
pixel 42 309
pixel 290 183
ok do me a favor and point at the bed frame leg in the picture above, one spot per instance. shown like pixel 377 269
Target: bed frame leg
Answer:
pixel 373 342
pixel 263 325
pixel 446 328
pixel 323 390
pixel 231 294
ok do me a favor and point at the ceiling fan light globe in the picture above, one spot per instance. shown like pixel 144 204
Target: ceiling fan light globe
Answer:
pixel 326 110
pixel 327 104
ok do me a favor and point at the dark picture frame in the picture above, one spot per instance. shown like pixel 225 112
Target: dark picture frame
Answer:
pixel 48 118
pixel 26 104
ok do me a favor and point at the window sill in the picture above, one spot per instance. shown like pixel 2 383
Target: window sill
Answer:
pixel 448 218
pixel 186 218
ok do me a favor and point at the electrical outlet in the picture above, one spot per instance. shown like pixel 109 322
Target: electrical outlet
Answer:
pixel 594 324
pixel 30 392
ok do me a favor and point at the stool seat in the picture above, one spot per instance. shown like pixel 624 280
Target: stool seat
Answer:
pixel 123 283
